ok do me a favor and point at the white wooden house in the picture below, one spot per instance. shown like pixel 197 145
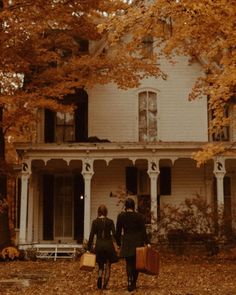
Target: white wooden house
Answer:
pixel 139 140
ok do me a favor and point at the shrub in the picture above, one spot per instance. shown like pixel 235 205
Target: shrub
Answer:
pixel 191 221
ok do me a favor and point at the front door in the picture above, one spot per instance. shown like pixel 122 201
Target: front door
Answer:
pixel 63 208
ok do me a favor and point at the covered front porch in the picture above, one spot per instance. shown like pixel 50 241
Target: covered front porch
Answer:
pixel 61 186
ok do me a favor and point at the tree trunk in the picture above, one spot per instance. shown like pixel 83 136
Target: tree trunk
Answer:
pixel 5 237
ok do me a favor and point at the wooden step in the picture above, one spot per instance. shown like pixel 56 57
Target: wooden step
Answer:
pixel 56 251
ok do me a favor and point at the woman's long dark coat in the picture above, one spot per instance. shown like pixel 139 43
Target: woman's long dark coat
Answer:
pixel 104 230
pixel 130 232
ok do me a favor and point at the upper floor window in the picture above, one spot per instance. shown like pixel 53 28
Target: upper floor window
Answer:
pixel 147 48
pixel 68 127
pixel 65 127
pixel 147 116
pixel 220 134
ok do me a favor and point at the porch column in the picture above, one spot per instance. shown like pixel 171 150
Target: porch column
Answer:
pixel 24 203
pixel 153 172
pixel 87 173
pixel 30 212
pixel 219 171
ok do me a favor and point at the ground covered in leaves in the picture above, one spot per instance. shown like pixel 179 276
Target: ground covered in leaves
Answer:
pixel 179 275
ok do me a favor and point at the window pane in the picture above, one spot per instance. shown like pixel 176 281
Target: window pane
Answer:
pixel 69 133
pixel 152 102
pixel 142 101
pixel 143 134
pixel 69 119
pixel 152 134
pixel 60 118
pixel 59 133
pixel 152 121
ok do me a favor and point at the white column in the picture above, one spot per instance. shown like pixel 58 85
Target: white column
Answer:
pixel 87 173
pixel 219 171
pixel 23 207
pixel 153 172
pixel 30 213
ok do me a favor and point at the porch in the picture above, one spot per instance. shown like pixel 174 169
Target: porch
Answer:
pixel 90 174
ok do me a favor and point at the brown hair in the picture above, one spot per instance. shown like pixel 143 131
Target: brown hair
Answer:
pixel 102 210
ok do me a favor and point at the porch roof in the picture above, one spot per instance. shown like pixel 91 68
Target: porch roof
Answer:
pixel 107 149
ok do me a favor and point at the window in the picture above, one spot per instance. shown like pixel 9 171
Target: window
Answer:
pixel 165 181
pixel 221 134
pixel 65 127
pixel 147 116
pixel 68 127
pixel 147 48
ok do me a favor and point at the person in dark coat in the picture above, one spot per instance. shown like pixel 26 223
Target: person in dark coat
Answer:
pixel 132 224
pixel 104 229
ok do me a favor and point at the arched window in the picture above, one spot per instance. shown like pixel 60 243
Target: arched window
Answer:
pixel 147 116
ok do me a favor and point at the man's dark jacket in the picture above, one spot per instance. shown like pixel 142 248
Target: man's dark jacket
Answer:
pixel 130 232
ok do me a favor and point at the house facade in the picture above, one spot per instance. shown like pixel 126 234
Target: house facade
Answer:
pixel 137 142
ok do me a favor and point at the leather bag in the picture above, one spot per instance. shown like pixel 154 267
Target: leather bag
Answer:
pixel 147 260
pixel 87 261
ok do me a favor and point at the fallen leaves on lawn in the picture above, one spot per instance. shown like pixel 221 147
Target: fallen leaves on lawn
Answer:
pixel 179 275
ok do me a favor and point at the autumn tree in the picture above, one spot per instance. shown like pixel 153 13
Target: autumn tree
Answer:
pixel 202 30
pixel 49 49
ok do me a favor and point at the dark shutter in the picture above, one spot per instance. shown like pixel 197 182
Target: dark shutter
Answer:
pixel 18 202
pixel 78 208
pixel 48 206
pixel 165 181
pixel 131 180
pixel 2 140
pixel 3 187
pixel 49 126
pixel 81 117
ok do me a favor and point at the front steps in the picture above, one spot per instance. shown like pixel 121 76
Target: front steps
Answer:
pixel 56 251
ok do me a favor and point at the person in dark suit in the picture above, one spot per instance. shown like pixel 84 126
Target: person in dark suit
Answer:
pixel 104 229
pixel 132 225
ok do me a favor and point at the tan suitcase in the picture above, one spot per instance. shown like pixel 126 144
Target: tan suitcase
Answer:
pixel 147 260
pixel 87 261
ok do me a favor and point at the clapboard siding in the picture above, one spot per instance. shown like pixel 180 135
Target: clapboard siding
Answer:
pixel 106 180
pixel 187 182
pixel 113 113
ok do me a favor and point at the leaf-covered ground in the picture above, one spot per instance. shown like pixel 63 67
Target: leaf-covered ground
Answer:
pixel 179 275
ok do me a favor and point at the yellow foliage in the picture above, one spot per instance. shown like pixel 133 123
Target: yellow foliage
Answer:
pixel 10 253
pixel 208 152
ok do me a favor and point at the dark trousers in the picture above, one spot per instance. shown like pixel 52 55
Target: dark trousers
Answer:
pixel 131 271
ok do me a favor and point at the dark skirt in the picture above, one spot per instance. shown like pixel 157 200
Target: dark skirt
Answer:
pixel 105 251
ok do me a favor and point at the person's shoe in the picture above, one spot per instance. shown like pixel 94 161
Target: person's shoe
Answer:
pixel 131 285
pixel 99 283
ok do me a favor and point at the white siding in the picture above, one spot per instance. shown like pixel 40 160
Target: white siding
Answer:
pixel 107 179
pixel 187 182
pixel 113 112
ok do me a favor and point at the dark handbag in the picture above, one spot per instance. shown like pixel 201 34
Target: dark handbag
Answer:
pixel 147 260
